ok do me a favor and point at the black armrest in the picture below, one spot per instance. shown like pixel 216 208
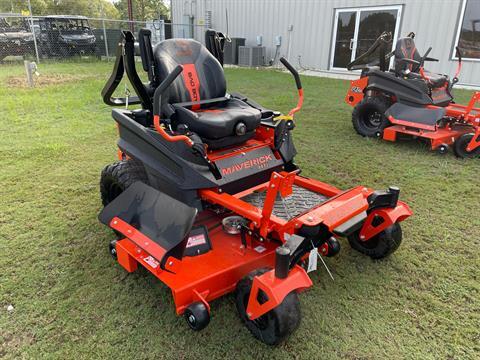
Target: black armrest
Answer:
pixel 202 102
pixel 411 61
pixel 238 96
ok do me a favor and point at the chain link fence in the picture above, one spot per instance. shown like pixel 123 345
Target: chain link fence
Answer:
pixel 70 37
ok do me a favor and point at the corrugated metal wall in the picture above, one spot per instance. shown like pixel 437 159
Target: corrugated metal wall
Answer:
pixel 434 22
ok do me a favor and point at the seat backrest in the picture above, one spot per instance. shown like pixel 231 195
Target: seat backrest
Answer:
pixel 202 77
pixel 405 48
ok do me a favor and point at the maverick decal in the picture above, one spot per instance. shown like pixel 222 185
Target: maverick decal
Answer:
pixel 258 162
pixel 247 163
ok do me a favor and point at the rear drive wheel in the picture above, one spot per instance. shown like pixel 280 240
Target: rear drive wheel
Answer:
pixel 368 116
pixel 277 324
pixel 460 147
pixel 117 177
pixel 379 246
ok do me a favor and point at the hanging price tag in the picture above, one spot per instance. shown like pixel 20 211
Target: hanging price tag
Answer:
pixel 312 260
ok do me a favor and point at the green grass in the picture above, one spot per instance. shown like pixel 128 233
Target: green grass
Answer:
pixel 71 300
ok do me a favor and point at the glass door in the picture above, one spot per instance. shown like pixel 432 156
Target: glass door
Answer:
pixel 357 29
pixel 345 35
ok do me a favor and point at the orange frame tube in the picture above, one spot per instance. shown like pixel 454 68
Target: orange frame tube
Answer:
pixel 161 131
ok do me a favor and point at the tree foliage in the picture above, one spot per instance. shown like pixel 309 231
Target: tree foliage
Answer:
pixel 142 9
pixel 91 8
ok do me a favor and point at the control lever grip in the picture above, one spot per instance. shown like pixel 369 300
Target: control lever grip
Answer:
pixel 292 71
pixel 299 85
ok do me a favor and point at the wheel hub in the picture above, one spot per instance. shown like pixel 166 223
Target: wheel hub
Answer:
pixel 374 119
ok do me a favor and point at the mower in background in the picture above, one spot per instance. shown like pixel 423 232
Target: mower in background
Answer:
pixel 409 100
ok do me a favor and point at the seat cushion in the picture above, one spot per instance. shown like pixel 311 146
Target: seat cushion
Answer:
pixel 217 121
pixel 436 80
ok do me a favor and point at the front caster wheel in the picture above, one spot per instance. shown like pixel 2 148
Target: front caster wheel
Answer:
pixel 330 248
pixel 379 246
pixel 443 149
pixel 460 147
pixel 277 324
pixel 112 248
pixel 197 316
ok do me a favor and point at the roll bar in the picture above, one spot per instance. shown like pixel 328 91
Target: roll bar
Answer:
pixel 297 82
pixel 146 54
pixel 382 41
pixel 125 62
pixel 115 79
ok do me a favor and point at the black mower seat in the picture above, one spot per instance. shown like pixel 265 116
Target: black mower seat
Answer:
pixel 406 49
pixel 436 80
pixel 218 123
pixel 414 114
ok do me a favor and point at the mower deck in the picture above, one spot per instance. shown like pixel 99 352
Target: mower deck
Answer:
pixel 207 276
pixel 439 136
pixel 436 137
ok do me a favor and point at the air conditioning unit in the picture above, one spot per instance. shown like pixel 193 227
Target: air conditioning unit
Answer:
pixel 230 52
pixel 251 56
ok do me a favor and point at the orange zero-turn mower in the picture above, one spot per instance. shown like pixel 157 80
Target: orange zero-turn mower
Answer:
pixel 207 197
pixel 409 101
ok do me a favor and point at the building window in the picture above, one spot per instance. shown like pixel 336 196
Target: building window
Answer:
pixel 468 32
pixel 356 29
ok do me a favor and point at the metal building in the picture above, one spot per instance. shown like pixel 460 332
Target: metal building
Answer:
pixel 324 35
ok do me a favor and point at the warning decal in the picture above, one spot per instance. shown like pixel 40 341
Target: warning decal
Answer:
pixel 196 240
pixel 151 261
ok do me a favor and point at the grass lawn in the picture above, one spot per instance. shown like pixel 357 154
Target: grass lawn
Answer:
pixel 71 300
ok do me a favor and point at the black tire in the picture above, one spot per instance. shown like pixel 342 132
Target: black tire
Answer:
pixel 117 177
pixel 381 245
pixel 277 324
pixel 460 147
pixel 197 316
pixel 112 248
pixel 443 149
pixel 368 116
